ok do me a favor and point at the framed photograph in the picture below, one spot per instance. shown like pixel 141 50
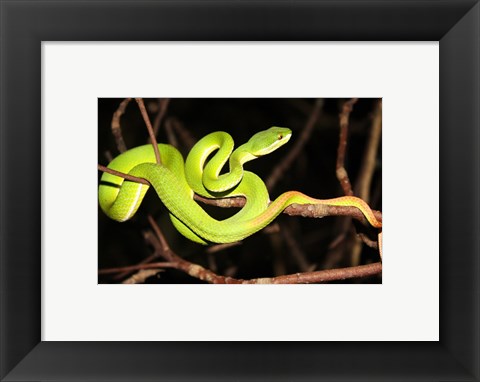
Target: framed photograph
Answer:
pixel 81 79
pixel 294 161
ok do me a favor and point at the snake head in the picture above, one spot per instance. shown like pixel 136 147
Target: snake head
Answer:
pixel 267 141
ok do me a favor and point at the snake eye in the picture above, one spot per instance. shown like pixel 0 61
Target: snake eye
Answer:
pixel 280 137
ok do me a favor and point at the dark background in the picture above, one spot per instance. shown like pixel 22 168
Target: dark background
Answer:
pixel 312 241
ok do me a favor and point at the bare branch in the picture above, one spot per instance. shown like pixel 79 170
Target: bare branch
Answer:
pixel 137 267
pixel 122 175
pixel 171 137
pixel 321 210
pixel 204 274
pixel 296 149
pixel 184 134
pixel 141 276
pixel 116 129
pixel 222 202
pixel 165 248
pixel 143 262
pixel 295 249
pixel 322 276
pixel 143 110
pixel 220 247
pixel 108 155
pixel 342 174
pixel 368 164
pixel 163 105
pixel 371 243
pixel 305 210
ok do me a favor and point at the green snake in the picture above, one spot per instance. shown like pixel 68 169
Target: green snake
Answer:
pixel 175 183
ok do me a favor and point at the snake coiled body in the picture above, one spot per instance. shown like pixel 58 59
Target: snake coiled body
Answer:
pixel 175 182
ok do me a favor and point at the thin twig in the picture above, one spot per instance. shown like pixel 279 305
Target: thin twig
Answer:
pixel 322 276
pixel 371 243
pixel 163 105
pixel 116 129
pixel 108 155
pixel 143 110
pixel 165 248
pixel 207 275
pixel 172 139
pixel 164 264
pixel 184 134
pixel 367 170
pixel 356 250
pixel 297 148
pixel 147 260
pixel 279 266
pixel 368 164
pixel 295 249
pixel 339 246
pixel 220 247
pixel 271 228
pixel 341 171
pixel 141 276
pixel 157 240
pixel 342 146
pixel 122 175
pixel 337 241
pixel 212 262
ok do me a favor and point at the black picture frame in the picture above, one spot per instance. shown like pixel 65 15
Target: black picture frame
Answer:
pixel 25 24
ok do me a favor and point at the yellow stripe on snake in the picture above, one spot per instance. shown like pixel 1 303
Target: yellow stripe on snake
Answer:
pixel 175 182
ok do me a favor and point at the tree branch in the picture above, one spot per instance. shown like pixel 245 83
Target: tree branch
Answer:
pixel 116 129
pixel 296 149
pixel 304 210
pixel 122 175
pixel 163 105
pixel 368 164
pixel 141 276
pixel 143 110
pixel 162 264
pixel 342 174
pixel 201 273
pixel 186 137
